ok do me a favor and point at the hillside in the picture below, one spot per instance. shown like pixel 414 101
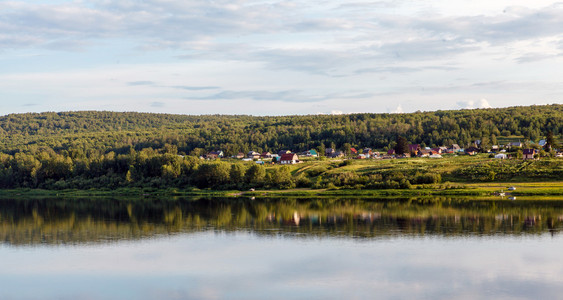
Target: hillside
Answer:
pixel 92 131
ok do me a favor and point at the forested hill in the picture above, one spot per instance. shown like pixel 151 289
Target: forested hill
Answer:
pixel 93 131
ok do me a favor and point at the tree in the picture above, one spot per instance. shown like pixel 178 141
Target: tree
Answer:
pixel 402 146
pixel 197 152
pixel 212 174
pixel 237 173
pixel 494 140
pixel 485 144
pixel 282 178
pixel 347 149
pixel 550 141
pixel 255 174
pixel 321 149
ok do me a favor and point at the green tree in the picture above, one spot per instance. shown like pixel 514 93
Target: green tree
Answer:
pixel 281 177
pixel 255 174
pixel 346 148
pixel 237 173
pixel 321 149
pixel 402 145
pixel 213 174
pixel 550 141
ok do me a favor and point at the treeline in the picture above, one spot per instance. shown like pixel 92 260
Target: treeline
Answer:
pixel 164 168
pixel 147 168
pixel 95 133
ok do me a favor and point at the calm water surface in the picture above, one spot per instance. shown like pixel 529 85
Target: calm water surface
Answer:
pixel 276 249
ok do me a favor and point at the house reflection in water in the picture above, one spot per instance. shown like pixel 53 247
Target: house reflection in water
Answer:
pixel 58 221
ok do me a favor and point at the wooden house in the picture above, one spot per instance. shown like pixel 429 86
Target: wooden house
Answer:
pixel 471 151
pixel 253 155
pixel 310 153
pixel 529 153
pixel 289 159
pixel 215 154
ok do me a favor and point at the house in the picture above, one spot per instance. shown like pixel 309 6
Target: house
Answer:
pixel 436 150
pixel 215 154
pixel 284 152
pixel 337 154
pixel 515 144
pixel 367 152
pixel 253 155
pixel 211 155
pixel 454 148
pixel 329 151
pixel 542 143
pixel 310 153
pixel 529 153
pixel 471 151
pixel 266 155
pixel 353 151
pixel 289 159
pixel 414 148
pixel 501 156
pixel 361 156
pixel 424 153
pixel 239 155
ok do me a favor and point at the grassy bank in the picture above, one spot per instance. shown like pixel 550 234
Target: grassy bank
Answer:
pixel 553 188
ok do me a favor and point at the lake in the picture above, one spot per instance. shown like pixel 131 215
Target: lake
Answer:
pixel 330 248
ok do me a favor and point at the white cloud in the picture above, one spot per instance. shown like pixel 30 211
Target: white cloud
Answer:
pixel 330 54
pixel 398 110
pixel 470 104
pixel 483 103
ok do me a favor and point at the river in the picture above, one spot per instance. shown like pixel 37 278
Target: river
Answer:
pixel 329 248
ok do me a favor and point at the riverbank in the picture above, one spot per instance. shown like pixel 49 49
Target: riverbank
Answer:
pixel 554 188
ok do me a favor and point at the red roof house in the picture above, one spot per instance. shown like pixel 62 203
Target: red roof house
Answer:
pixel 289 158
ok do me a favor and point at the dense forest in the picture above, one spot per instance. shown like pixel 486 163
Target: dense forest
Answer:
pixel 110 149
pixel 112 131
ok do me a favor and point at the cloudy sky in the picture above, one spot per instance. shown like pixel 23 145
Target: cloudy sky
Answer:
pixel 278 57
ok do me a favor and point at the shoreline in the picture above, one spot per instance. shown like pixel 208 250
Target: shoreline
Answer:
pixel 523 189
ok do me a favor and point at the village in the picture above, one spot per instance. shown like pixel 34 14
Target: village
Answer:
pixel 511 150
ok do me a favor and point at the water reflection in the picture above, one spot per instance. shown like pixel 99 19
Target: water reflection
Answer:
pixel 74 221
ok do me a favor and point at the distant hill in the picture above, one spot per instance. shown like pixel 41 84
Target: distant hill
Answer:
pixel 102 131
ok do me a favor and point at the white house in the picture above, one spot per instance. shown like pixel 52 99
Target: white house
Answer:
pixel 289 159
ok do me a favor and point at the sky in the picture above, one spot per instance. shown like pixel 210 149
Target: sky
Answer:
pixel 279 57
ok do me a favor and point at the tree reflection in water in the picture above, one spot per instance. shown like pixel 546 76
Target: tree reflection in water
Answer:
pixel 77 221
